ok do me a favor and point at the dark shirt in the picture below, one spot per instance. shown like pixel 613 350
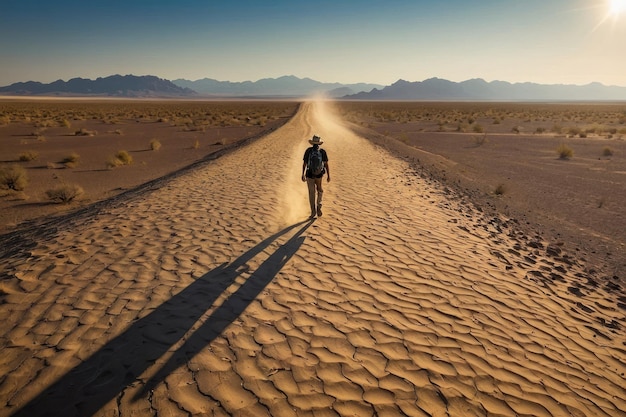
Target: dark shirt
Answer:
pixel 306 160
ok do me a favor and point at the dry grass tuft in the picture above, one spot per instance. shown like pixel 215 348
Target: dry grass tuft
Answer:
pixel 564 151
pixel 13 177
pixel 120 158
pixel 155 145
pixel 113 162
pixel 65 193
pixel 125 157
pixel 71 160
pixel 28 156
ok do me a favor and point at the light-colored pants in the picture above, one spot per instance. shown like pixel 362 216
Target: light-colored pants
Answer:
pixel 313 184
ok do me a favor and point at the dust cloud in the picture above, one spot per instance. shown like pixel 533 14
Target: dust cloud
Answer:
pixel 319 120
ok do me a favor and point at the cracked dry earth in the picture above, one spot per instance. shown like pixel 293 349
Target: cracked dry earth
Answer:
pixel 215 295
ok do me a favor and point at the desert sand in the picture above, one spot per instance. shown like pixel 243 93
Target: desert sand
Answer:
pixel 94 130
pixel 513 168
pixel 214 294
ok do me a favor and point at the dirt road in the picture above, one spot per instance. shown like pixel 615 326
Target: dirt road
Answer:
pixel 215 295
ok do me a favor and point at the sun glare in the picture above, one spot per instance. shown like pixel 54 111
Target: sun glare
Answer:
pixel 617 7
pixel 613 11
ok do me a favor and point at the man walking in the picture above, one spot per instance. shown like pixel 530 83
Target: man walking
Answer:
pixel 314 166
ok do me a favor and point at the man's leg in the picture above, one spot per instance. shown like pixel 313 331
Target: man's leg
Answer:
pixel 310 182
pixel 320 194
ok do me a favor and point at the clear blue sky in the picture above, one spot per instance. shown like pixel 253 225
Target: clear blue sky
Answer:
pixel 376 41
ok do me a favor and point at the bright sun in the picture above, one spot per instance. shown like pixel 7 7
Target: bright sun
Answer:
pixel 617 7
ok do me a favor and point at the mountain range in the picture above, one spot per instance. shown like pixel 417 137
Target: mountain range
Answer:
pixel 114 86
pixel 151 86
pixel 291 86
pixel 283 86
pixel 479 89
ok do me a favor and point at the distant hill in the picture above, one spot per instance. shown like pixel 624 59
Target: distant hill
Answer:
pixel 114 86
pixel 288 85
pixel 479 89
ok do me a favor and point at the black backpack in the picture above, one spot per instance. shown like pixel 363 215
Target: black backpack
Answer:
pixel 316 162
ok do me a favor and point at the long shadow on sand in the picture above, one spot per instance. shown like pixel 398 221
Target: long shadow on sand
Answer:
pixel 101 378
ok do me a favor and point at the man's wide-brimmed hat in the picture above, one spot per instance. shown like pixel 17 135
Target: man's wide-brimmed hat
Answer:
pixel 316 140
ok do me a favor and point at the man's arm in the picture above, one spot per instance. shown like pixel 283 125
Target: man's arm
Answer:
pixel 325 159
pixel 304 163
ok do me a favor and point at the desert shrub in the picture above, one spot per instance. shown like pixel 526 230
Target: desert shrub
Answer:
pixel 13 177
pixel 113 162
pixel 607 151
pixel 516 129
pixel 119 159
pixel 125 157
pixel 65 193
pixel 564 151
pixel 28 156
pixel 500 189
pixel 155 145
pixel 540 130
pixel 66 123
pixel 71 160
pixel 478 128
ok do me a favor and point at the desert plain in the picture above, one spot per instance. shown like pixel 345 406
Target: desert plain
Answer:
pixel 462 267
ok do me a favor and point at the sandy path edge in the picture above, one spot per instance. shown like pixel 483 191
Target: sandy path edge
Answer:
pixel 604 258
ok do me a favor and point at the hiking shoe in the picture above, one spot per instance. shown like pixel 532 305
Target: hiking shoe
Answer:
pixel 319 210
